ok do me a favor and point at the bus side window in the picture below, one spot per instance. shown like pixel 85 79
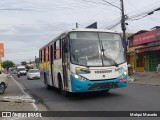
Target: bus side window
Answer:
pixel 44 54
pixel 48 54
pixel 40 55
pixel 57 50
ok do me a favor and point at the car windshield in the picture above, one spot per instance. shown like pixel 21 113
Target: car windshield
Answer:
pixel 96 49
pixel 34 71
pixel 21 69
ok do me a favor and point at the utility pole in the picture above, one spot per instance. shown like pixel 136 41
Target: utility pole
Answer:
pixel 123 27
pixel 76 25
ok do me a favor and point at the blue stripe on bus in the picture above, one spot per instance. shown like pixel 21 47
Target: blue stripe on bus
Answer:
pixel 84 85
pixel 82 72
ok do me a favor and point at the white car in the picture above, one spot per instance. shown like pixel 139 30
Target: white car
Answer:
pixel 33 74
pixel 3 82
pixel 21 70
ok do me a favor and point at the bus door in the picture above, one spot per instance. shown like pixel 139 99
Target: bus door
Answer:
pixel 65 58
pixel 52 63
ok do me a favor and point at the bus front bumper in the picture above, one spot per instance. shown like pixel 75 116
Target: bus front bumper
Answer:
pixel 98 85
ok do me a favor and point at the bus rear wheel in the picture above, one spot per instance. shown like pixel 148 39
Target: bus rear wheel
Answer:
pixel 46 82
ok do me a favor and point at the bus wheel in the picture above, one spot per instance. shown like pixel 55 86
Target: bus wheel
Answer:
pixel 46 82
pixel 65 93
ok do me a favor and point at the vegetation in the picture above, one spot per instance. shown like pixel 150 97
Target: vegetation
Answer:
pixel 7 64
pixel 24 63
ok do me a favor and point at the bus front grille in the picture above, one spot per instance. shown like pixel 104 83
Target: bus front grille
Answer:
pixel 103 86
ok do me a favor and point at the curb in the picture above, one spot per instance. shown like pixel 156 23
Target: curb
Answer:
pixel 37 104
pixel 18 99
pixel 26 98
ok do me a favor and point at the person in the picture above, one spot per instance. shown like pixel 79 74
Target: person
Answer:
pixel 130 70
pixel 129 66
pixel 18 74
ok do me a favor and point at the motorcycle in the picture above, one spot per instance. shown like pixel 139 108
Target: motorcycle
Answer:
pixel 18 75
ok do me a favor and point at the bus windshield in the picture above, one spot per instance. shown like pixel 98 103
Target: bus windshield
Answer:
pixel 96 48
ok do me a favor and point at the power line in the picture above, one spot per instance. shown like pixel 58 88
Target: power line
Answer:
pixel 112 26
pixel 140 15
pixel 111 4
pixel 143 14
pixel 93 2
pixel 138 18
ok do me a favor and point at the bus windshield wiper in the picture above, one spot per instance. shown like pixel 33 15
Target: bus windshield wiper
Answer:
pixel 110 59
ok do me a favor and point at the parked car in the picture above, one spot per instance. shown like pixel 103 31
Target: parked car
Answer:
pixel 14 72
pixel 3 82
pixel 33 74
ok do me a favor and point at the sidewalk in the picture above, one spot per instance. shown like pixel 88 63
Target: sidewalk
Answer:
pixel 14 98
pixel 146 78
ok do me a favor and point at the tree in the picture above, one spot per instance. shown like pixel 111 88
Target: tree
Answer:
pixel 7 64
pixel 23 63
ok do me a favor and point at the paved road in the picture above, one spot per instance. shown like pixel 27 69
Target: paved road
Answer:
pixel 132 98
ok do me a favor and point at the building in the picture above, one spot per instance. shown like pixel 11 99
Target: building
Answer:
pixel 1 54
pixel 144 50
pixel 131 50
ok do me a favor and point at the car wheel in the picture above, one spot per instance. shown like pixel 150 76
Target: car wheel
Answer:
pixel 2 88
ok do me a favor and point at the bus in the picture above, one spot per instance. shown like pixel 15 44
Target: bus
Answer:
pixel 84 60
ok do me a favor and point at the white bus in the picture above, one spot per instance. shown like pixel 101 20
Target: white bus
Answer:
pixel 84 60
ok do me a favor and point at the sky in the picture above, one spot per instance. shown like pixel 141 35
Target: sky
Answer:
pixel 27 25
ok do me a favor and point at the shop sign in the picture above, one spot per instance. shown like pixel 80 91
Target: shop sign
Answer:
pixel 148 49
pixel 1 50
pixel 145 37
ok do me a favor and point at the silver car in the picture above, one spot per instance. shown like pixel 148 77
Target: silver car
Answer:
pixel 33 74
pixel 3 82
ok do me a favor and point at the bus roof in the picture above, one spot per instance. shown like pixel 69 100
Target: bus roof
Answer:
pixel 91 30
pixel 79 30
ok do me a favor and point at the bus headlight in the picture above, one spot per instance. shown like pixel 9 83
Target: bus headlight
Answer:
pixel 78 76
pixel 123 74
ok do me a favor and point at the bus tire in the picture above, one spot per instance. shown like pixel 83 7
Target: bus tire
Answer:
pixel 2 88
pixel 65 93
pixel 46 82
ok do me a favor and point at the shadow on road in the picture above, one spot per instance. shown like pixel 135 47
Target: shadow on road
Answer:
pixel 86 95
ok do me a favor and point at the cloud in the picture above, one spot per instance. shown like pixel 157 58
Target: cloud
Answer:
pixel 27 25
pixel 23 42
